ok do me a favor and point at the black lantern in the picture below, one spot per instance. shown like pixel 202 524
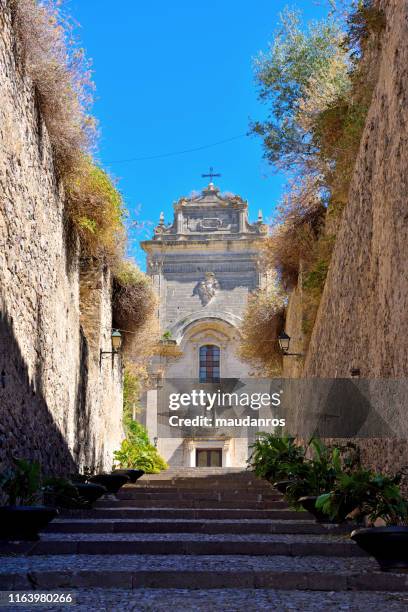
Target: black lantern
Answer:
pixel 284 341
pixel 116 338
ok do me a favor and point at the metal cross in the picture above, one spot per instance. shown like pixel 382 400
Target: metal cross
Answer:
pixel 211 174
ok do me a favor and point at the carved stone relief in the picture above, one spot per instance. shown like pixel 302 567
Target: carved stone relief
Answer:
pixel 207 288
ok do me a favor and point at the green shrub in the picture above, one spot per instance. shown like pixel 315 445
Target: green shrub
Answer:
pixel 273 456
pixel 22 483
pixel 62 493
pixel 367 493
pixel 314 476
pixel 136 451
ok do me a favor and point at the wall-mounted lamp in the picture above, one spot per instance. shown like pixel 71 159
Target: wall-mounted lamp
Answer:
pixel 155 441
pixel 116 345
pixel 284 343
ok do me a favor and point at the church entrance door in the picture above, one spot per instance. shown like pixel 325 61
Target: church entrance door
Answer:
pixel 208 457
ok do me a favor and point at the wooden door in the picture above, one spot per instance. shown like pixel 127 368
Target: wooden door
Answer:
pixel 208 457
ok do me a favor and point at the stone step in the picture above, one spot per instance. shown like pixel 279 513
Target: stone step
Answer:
pixel 156 526
pixel 313 573
pixel 237 600
pixel 193 483
pixel 202 472
pixel 189 544
pixel 127 511
pixel 164 493
pixel 197 502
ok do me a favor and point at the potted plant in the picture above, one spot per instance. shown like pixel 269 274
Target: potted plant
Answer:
pixel 313 477
pixel 64 494
pixel 353 492
pixel 132 474
pixel 112 482
pixel 23 517
pixel 389 543
pixel 272 455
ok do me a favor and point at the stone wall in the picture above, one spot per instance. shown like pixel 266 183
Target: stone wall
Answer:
pixel 363 315
pixel 56 405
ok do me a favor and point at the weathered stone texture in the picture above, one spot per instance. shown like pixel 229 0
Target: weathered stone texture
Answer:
pixel 363 317
pixel 56 405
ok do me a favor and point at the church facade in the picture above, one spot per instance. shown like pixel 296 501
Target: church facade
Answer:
pixel 203 266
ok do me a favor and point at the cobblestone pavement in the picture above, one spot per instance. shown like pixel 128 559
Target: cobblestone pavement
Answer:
pixel 226 600
pixel 316 582
pixel 201 537
pixel 201 563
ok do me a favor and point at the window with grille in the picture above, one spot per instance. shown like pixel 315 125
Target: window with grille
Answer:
pixel 209 363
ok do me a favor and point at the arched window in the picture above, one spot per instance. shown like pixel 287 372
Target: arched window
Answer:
pixel 209 363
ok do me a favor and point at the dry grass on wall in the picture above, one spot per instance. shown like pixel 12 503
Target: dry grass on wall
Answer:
pixel 318 85
pixel 263 321
pixel 61 78
pixel 97 211
pixel 294 234
pixel 134 310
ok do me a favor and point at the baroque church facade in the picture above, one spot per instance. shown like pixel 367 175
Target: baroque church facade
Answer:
pixel 203 265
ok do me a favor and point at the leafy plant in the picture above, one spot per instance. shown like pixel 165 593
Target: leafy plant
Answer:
pixel 367 493
pixel 314 476
pixel 62 493
pixel 137 452
pixel 392 509
pixel 22 484
pixel 275 456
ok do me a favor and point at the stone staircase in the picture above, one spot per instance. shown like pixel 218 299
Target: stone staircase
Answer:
pixel 201 539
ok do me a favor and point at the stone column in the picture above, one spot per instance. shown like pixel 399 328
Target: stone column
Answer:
pixel 179 224
pixel 241 221
pixel 151 413
pixel 226 459
pixel 191 454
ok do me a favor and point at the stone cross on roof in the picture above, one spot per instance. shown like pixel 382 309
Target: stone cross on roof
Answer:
pixel 211 174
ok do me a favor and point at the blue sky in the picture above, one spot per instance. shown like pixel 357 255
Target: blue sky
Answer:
pixel 178 75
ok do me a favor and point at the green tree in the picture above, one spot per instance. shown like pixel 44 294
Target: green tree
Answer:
pixel 284 75
pixel 136 451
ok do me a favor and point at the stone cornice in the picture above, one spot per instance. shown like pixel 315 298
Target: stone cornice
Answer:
pixel 240 242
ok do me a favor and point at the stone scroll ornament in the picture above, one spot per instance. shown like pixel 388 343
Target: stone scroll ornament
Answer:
pixel 207 288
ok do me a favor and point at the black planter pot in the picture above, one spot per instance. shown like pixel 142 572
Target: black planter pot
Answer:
pixel 24 522
pixel 282 485
pixel 90 491
pixel 132 474
pixel 112 482
pixel 309 504
pixel 389 546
